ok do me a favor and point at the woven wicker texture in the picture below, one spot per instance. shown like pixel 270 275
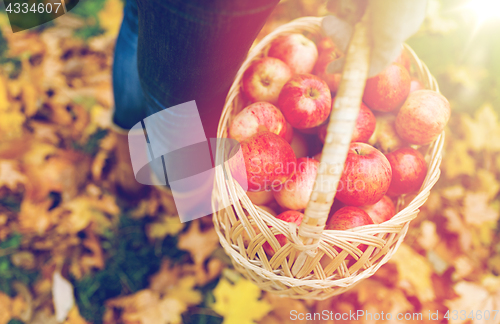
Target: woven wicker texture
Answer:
pixel 315 263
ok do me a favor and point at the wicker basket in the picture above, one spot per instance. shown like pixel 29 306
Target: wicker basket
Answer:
pixel 297 269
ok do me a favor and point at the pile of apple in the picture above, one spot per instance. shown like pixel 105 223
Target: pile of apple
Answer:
pixel 281 131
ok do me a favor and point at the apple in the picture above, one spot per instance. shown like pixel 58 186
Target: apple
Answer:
pixel 291 216
pixel 269 210
pixel 404 60
pixel 385 138
pixel 387 90
pixel 297 51
pixel 305 101
pixel 325 43
pixel 381 211
pixel 296 191
pixel 408 171
pixel 348 217
pixel 363 130
pixel 263 80
pixel 416 85
pixel 366 176
pixel 260 197
pixel 259 116
pixel 264 160
pixel 422 117
pixel 326 56
pixel 299 145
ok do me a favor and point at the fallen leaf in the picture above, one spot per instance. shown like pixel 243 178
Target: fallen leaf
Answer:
pixel 239 303
pixel 10 175
pixel 478 210
pixel 457 160
pixel 415 269
pixel 199 244
pixel 74 317
pixel 165 225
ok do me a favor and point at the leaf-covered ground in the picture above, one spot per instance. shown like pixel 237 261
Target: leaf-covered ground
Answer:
pixel 135 263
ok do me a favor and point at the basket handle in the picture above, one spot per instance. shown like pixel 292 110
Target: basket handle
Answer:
pixel 339 132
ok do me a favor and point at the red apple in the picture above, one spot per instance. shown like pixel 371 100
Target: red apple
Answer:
pixel 325 43
pixel 290 216
pixel 408 171
pixel 296 191
pixel 263 80
pixel 366 176
pixel 348 217
pixel 416 85
pixel 387 90
pixel 325 57
pixel 259 116
pixel 260 197
pixel 381 211
pixel 422 117
pixel 266 160
pixel 297 51
pixel 363 130
pixel 305 101
pixel 385 138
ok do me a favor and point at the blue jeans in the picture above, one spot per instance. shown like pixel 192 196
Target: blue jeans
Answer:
pixel 169 52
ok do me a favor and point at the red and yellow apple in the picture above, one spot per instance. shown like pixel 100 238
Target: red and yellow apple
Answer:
pixel 258 117
pixel 422 117
pixel 381 211
pixel 297 51
pixel 366 176
pixel 305 101
pixel 408 171
pixel 263 80
pixel 387 90
pixel 291 216
pixel 265 160
pixel 296 191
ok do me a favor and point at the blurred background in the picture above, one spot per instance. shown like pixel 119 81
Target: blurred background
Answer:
pixel 73 251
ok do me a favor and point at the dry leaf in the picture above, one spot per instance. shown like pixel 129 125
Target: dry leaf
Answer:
pixel 239 303
pixel 476 298
pixel 74 317
pixel 415 269
pixel 10 175
pixel 458 161
pixel 165 225
pixel 477 209
pixel 199 244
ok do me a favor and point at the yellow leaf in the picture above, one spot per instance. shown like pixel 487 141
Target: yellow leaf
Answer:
pixel 10 176
pixel 482 132
pixel 457 160
pixel 74 317
pixel 415 269
pixel 478 210
pixel 199 244
pixel 5 305
pixel 4 100
pixel 166 225
pixel 476 298
pixel 239 303
pixel 11 124
pixel 110 17
pixel 487 183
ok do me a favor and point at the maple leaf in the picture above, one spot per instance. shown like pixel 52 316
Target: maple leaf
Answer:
pixel 415 269
pixel 199 244
pixel 477 209
pixel 74 317
pixel 4 100
pixel 239 303
pixel 476 298
pixel 457 160
pixel 482 132
pixel 166 225
pixel 10 175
